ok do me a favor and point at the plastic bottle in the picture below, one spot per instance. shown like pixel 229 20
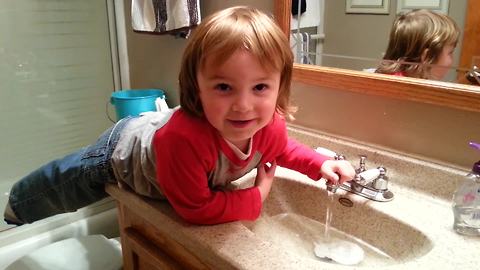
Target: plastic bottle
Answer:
pixel 466 202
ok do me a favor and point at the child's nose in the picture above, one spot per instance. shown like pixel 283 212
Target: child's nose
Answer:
pixel 243 102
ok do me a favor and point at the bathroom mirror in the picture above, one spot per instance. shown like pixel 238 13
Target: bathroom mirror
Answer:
pixel 454 95
pixel 324 33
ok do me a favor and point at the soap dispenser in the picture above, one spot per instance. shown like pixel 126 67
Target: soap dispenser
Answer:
pixel 466 201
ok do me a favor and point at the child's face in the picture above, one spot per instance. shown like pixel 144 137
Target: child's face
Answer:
pixel 443 63
pixel 239 97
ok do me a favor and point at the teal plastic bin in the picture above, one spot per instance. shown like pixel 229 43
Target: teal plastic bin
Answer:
pixel 133 102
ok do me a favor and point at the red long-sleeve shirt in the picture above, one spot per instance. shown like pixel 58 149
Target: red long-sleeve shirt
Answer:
pixel 193 162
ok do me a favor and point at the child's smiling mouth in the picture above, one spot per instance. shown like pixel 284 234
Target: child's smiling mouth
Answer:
pixel 240 123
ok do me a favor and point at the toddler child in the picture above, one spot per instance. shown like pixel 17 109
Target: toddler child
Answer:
pixel 421 45
pixel 234 95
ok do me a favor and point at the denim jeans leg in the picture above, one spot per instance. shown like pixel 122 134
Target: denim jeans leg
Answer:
pixel 66 184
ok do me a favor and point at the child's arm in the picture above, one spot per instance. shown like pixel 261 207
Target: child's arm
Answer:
pixel 296 156
pixel 301 158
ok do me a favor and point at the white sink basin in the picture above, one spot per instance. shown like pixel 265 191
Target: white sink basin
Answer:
pixel 294 216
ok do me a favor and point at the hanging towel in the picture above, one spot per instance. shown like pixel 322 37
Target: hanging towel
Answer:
pixel 296 4
pixel 175 17
pixel 300 43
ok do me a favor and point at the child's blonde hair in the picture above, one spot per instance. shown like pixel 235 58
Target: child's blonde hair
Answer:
pixel 418 37
pixel 225 32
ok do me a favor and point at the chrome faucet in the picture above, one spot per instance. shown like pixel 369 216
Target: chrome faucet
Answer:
pixel 474 75
pixel 371 184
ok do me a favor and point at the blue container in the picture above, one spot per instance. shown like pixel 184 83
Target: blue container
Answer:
pixel 134 102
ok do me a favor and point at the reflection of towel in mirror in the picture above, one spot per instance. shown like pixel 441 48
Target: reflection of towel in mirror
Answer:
pixel 175 17
pixel 300 42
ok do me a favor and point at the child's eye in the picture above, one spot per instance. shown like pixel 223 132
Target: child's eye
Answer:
pixel 260 87
pixel 222 87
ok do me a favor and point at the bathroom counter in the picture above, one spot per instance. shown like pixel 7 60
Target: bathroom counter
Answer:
pixel 155 237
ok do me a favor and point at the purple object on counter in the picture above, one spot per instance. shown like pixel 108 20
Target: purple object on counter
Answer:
pixel 476 166
pixel 474 145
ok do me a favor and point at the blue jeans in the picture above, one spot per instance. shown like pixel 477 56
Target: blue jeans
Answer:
pixel 67 184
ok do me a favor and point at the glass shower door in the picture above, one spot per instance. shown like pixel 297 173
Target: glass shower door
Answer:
pixel 56 75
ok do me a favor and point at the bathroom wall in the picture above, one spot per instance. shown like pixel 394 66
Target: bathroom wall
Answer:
pixel 418 129
pixel 423 130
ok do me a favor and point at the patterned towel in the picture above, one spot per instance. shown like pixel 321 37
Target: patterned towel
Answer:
pixel 175 17
pixel 300 43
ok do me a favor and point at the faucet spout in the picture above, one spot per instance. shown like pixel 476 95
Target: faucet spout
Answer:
pixel 332 187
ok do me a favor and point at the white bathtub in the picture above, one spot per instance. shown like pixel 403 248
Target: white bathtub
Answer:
pixel 99 218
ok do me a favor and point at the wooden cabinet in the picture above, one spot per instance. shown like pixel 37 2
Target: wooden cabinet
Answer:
pixel 146 243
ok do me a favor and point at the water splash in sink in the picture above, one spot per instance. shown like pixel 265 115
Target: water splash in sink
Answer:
pixel 342 252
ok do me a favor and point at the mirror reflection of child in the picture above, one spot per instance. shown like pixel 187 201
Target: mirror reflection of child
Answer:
pixel 421 45
pixel 234 94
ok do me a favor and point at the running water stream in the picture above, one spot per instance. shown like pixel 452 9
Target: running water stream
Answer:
pixel 328 216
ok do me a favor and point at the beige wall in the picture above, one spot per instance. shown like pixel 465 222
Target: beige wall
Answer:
pixel 418 129
pixel 413 128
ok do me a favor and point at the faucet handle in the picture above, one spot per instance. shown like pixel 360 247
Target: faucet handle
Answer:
pixel 381 183
pixel 361 167
pixel 367 176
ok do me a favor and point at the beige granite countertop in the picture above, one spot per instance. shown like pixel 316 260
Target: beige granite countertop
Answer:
pixel 421 209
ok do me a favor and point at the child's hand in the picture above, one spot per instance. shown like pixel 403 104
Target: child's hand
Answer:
pixel 337 171
pixel 264 178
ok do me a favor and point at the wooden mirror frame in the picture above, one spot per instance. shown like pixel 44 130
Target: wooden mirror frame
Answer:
pixel 452 95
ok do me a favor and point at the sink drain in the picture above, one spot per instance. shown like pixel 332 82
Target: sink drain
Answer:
pixel 345 202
